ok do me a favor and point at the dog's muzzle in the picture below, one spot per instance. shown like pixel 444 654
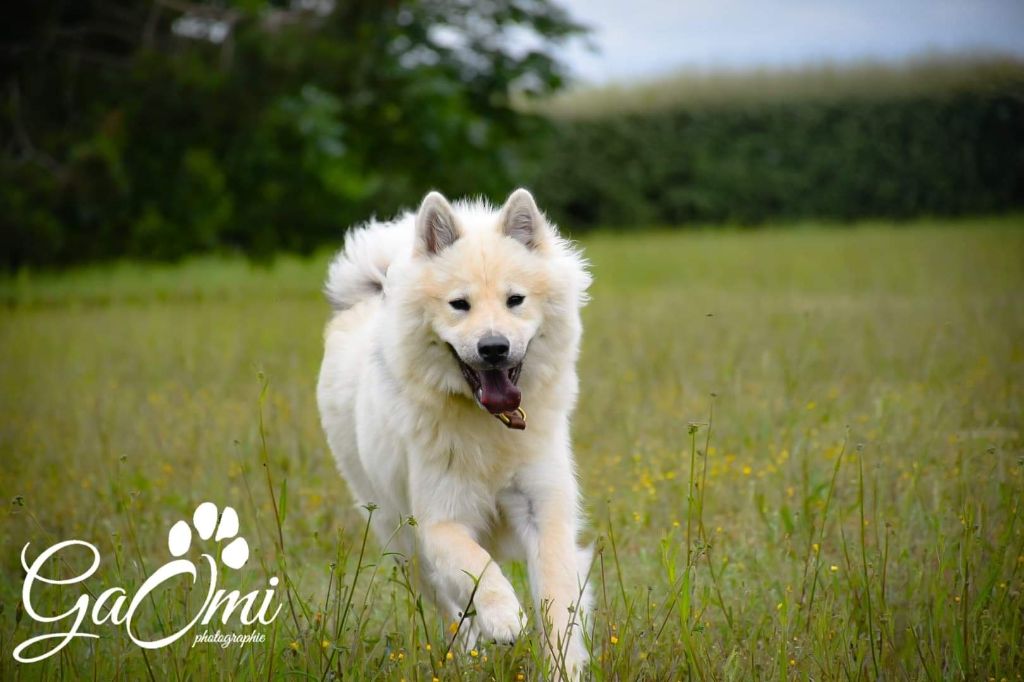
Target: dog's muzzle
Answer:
pixel 496 390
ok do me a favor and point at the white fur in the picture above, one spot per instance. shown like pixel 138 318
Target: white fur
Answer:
pixel 409 437
pixel 360 268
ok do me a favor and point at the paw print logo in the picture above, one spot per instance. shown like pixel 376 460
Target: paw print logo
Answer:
pixel 234 554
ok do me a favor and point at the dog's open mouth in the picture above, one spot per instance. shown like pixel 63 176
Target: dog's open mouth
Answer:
pixel 496 391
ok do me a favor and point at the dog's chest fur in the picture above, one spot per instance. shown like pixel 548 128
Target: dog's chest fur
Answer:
pixel 473 447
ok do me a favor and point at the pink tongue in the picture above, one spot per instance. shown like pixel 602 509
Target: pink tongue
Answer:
pixel 497 392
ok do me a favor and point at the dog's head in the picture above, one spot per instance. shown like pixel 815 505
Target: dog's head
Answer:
pixel 487 282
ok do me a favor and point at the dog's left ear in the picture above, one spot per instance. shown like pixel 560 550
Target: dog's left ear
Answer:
pixel 522 220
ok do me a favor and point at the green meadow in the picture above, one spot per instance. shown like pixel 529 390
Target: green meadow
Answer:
pixel 800 450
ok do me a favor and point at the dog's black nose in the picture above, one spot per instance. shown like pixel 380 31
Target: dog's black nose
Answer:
pixel 493 348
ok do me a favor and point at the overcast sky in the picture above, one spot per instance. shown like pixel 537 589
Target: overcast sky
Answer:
pixel 651 37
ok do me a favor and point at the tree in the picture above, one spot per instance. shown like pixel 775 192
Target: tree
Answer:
pixel 157 128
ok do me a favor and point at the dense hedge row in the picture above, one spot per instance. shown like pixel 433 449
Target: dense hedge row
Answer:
pixel 941 154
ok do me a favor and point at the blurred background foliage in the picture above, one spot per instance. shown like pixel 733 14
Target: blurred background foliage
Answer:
pixel 932 138
pixel 155 129
pixel 159 128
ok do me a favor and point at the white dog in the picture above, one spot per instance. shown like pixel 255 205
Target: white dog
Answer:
pixel 446 388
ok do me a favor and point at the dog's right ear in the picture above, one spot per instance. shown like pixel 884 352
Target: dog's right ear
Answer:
pixel 435 225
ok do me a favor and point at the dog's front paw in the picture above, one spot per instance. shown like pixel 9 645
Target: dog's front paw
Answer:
pixel 498 616
pixel 572 662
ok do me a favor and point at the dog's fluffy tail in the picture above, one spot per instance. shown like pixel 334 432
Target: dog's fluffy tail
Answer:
pixel 359 271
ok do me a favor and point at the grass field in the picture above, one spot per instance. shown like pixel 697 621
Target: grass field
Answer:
pixel 801 452
pixel 867 80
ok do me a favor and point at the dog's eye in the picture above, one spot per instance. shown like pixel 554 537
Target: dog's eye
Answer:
pixel 459 304
pixel 515 300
